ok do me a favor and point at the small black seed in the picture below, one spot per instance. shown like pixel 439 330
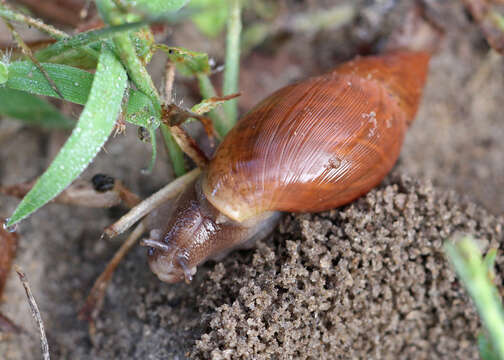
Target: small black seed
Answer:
pixel 102 182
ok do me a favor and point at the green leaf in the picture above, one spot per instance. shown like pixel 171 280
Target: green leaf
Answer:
pixel 212 19
pixel 144 44
pixel 141 112
pixel 136 70
pixel 94 127
pixel 75 85
pixel 143 81
pixel 189 63
pixel 156 7
pixel 77 58
pixel 112 13
pixel 32 110
pixel 208 105
pixel 84 39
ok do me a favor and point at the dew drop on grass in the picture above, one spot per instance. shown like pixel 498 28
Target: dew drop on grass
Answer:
pixel 11 228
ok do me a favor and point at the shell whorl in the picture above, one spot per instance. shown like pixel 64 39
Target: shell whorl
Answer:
pixel 319 143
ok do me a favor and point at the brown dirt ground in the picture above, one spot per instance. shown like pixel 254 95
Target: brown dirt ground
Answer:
pixel 365 281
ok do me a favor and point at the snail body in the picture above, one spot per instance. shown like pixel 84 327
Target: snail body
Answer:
pixel 310 146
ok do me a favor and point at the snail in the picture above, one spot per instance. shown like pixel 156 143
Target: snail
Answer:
pixel 311 146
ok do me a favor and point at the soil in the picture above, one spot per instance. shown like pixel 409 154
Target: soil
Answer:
pixel 368 280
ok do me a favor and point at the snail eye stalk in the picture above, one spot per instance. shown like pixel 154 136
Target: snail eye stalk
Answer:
pixel 187 271
pixel 155 244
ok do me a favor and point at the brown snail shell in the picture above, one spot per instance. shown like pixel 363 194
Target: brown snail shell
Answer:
pixel 319 143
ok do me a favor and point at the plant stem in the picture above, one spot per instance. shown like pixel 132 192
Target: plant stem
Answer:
pixel 231 72
pixel 136 70
pixel 152 202
pixel 11 15
pixel 27 51
pixel 205 85
pixel 207 90
pixel 176 155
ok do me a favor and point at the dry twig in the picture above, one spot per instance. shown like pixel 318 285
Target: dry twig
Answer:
pixel 145 207
pixel 27 51
pixel 35 312
pixel 94 301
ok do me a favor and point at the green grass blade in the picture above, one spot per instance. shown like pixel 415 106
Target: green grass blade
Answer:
pixel 75 85
pixel 473 271
pixel 188 63
pixel 80 57
pixel 84 39
pixel 32 110
pixel 94 127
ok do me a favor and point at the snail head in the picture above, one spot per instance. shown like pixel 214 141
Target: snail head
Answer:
pixel 192 235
